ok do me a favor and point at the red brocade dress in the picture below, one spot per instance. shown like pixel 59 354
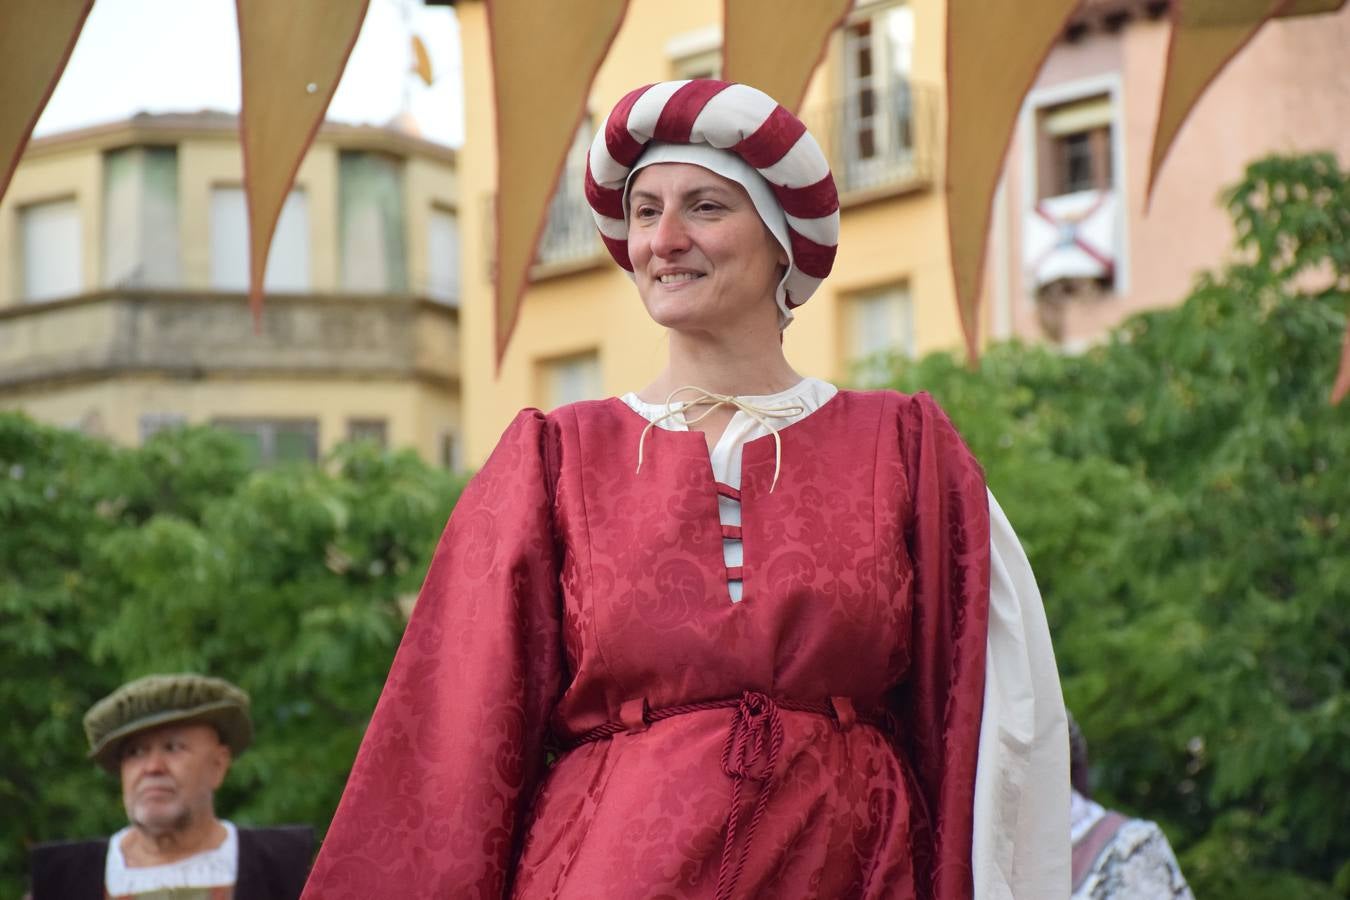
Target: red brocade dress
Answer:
pixel 577 710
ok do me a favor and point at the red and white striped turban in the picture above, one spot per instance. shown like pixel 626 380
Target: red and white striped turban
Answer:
pixel 751 134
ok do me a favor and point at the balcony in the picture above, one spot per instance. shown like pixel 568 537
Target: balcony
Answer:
pixel 185 334
pixel 879 141
pixel 569 235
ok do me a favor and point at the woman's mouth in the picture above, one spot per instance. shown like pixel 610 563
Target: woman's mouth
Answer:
pixel 678 277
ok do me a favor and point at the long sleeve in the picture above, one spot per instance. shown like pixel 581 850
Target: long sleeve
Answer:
pixel 1021 839
pixel 941 707
pixel 435 802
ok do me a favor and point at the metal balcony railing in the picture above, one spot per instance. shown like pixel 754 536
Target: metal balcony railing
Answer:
pixel 879 137
pixel 569 234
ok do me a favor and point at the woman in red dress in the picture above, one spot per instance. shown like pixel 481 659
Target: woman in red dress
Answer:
pixel 728 636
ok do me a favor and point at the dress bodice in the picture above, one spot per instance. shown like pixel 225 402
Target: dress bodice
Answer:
pixel 806 396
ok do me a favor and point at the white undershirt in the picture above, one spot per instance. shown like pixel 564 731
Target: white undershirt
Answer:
pixel 1021 845
pixel 218 867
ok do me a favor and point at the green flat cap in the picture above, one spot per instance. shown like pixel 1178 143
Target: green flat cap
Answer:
pixel 157 700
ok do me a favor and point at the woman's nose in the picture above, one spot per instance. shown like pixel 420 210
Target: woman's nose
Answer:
pixel 671 237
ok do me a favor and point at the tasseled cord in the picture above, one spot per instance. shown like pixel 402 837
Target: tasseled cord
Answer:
pixel 760 414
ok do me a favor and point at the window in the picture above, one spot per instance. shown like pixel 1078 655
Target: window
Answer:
pixel 696 54
pixel 877 324
pixel 570 233
pixel 449 451
pixel 368 430
pixel 569 379
pixel 443 255
pixel 1072 230
pixel 371 223
pixel 270 441
pixel 878 105
pixel 1074 147
pixel 153 423
pixel 51 257
pixel 140 217
pixel 288 261
pixel 699 65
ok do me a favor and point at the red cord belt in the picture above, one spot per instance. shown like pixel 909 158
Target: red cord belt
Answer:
pixel 749 754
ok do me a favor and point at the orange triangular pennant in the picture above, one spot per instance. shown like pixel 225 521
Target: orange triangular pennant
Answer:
pixel 1206 34
pixel 291 57
pixel 994 51
pixel 1309 8
pixel 36 37
pixel 422 61
pixel 781 67
pixel 544 58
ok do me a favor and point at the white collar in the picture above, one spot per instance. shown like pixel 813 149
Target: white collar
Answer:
pixel 217 867
pixel 813 391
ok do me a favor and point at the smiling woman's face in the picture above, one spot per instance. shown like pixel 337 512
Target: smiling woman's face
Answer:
pixel 702 257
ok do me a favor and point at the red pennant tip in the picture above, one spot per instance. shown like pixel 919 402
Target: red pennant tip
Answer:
pixel 255 305
pixel 1342 385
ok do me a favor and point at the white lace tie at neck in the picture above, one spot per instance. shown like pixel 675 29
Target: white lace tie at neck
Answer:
pixel 761 414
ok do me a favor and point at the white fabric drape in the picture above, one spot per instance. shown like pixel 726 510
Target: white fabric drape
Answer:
pixel 1021 845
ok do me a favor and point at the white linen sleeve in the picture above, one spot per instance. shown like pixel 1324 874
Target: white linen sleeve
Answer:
pixel 1020 848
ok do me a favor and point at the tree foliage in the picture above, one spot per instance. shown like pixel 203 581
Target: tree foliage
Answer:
pixel 1182 491
pixel 292 582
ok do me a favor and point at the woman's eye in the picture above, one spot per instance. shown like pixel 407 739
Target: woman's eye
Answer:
pixel 644 212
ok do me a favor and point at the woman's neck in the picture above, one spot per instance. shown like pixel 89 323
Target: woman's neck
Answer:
pixel 723 365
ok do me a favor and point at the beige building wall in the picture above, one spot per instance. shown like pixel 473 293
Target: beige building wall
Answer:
pixel 67 174
pixel 891 237
pixel 1287 92
pixel 417 415
pixel 204 165
pixel 107 358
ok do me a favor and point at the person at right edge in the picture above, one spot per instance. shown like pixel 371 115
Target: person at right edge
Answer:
pixel 1116 857
pixel 775 638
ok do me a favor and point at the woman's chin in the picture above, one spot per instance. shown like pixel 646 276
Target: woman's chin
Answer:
pixel 692 314
pixel 680 316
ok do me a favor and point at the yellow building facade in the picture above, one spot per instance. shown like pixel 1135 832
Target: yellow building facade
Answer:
pixel 123 277
pixel 874 104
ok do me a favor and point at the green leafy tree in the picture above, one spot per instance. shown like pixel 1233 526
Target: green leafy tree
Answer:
pixel 293 582
pixel 1182 492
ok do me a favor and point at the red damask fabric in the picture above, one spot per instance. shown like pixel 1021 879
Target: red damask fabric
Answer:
pixel 569 591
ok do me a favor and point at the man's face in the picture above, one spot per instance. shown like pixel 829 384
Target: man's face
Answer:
pixel 169 775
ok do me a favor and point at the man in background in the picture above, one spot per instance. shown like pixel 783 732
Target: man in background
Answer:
pixel 171 740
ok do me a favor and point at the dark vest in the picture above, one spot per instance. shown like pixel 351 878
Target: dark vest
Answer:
pixel 273 864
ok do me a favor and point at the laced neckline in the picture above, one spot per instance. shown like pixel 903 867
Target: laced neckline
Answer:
pixel 760 413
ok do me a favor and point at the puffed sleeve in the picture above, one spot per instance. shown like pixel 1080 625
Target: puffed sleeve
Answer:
pixel 435 801
pixel 1021 839
pixel 941 701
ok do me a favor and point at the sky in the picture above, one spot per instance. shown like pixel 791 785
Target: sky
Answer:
pixel 183 56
